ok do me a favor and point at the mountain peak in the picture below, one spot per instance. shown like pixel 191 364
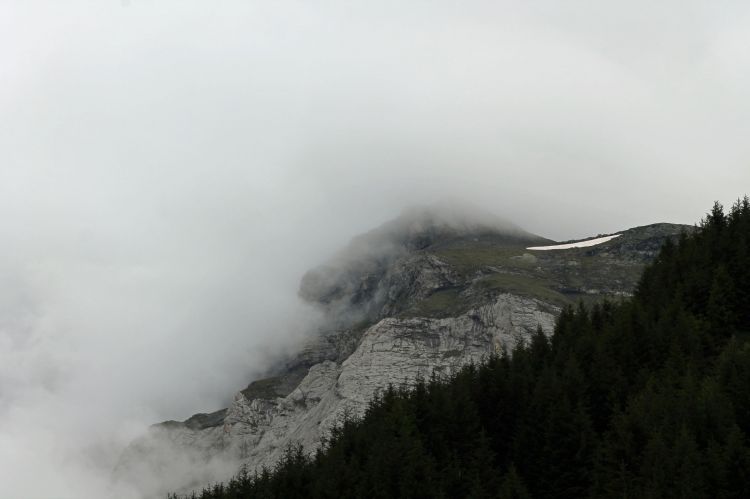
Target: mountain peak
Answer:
pixel 420 226
pixel 357 270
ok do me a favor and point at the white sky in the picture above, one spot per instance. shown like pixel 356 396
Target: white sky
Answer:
pixel 168 170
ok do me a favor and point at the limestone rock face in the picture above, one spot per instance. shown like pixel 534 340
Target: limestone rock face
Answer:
pixel 401 304
pixel 392 351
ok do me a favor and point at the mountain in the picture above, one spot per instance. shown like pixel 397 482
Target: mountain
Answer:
pixel 426 293
pixel 641 397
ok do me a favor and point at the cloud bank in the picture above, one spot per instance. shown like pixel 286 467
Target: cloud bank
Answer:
pixel 171 169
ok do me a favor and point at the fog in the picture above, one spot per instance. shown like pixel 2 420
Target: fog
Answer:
pixel 169 171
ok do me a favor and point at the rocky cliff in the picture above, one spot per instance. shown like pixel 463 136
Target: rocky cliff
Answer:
pixel 420 295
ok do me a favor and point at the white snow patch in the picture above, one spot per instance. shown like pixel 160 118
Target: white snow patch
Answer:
pixel 580 244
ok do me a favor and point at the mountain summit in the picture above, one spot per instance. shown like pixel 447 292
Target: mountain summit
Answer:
pixel 426 293
pixel 419 227
pixel 641 397
pixel 358 281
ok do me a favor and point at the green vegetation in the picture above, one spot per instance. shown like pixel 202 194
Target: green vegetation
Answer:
pixel 522 285
pixel 561 277
pixel 468 259
pixel 441 303
pixel 645 398
pixel 262 388
pixel 276 386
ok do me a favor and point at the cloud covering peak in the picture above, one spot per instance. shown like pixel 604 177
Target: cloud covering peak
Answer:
pixel 171 169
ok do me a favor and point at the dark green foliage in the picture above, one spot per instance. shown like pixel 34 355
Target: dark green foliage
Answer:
pixel 647 398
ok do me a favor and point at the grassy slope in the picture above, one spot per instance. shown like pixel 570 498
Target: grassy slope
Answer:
pixel 559 277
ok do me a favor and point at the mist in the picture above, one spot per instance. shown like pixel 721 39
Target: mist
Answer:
pixel 170 170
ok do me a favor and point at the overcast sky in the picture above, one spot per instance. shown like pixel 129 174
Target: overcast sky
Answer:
pixel 168 170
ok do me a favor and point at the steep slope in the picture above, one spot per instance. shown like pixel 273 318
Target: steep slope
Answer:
pixel 424 293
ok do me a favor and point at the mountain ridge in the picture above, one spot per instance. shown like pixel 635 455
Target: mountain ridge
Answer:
pixel 416 306
pixel 641 397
